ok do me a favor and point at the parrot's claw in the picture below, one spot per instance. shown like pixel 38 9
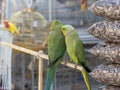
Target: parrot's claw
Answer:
pixel 38 53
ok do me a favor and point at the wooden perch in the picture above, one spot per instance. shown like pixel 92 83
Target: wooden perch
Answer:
pixel 41 55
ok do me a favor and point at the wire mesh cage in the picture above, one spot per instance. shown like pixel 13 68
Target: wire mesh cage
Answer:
pixel 4 80
pixel 5 61
pixel 33 31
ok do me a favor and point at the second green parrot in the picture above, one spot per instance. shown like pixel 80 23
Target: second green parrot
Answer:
pixel 76 51
pixel 56 50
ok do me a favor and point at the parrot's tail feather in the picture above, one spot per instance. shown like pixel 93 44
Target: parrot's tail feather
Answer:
pixel 54 62
pixel 86 68
pixel 86 79
pixel 50 77
pixel 51 73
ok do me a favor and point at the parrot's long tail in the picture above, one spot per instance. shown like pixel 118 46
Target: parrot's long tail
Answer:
pixel 51 72
pixel 86 79
pixel 50 77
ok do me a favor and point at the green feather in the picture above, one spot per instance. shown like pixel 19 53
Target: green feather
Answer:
pixel 56 50
pixel 75 50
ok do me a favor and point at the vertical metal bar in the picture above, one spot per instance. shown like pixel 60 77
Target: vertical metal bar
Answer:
pixel 50 10
pixel 33 72
pixel 54 3
pixel 50 15
pixel 7 9
pixel 70 80
pixel 2 75
pixel 55 82
pixel 23 71
pixel 7 13
pixel 40 74
pixel 76 12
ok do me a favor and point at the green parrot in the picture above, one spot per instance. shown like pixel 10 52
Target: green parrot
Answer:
pixel 56 50
pixel 76 51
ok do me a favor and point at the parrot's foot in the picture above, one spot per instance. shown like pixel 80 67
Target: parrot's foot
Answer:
pixel 38 53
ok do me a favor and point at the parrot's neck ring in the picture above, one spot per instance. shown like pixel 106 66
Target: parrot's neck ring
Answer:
pixel 69 33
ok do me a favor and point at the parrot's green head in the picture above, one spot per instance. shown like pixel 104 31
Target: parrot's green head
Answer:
pixel 66 29
pixel 53 25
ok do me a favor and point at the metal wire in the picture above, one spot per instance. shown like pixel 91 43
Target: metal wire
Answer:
pixel 29 3
pixel 5 62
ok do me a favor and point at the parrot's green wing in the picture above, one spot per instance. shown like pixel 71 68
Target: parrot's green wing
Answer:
pixel 56 50
pixel 79 51
pixel 56 45
pixel 75 50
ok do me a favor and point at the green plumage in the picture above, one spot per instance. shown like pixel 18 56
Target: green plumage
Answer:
pixel 56 50
pixel 75 50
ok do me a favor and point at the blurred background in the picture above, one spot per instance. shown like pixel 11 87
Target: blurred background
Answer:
pixel 25 67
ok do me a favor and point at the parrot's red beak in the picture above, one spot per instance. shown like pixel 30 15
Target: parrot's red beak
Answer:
pixel 6 24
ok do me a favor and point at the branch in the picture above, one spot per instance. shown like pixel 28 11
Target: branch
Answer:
pixel 41 55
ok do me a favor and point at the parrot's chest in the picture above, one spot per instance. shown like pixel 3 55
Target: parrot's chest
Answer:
pixel 70 47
